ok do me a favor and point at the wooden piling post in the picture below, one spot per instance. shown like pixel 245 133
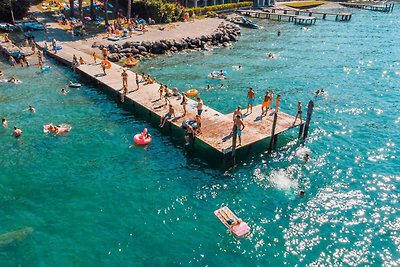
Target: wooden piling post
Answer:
pixel 308 119
pixel 234 137
pixel 271 142
pixel 324 16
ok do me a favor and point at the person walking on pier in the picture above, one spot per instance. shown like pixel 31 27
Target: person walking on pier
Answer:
pixel 250 100
pixel 94 57
pixel 299 112
pixel 103 66
pixel 238 123
pixel 124 76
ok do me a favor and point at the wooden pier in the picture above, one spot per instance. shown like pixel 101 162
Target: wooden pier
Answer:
pixel 386 7
pixel 216 127
pixel 304 20
pixel 267 15
pixel 341 16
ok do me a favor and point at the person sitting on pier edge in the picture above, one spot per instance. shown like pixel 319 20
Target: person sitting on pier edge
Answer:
pixel 171 112
pixel 299 112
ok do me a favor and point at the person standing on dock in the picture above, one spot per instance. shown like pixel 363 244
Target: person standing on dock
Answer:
pixel 240 127
pixel 299 112
pixel 124 76
pixel 137 81
pixel 250 100
pixel 265 103
pixel 54 44
pixel 277 102
pixel 103 66
pixel 94 57
pixel 199 106
pixel 40 58
pixel 184 103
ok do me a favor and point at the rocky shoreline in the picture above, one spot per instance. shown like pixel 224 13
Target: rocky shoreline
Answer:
pixel 223 36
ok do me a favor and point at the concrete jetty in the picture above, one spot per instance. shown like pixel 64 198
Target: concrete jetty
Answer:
pixel 216 127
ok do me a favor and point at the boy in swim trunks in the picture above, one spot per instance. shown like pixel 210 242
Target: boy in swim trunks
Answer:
pixel 238 123
pixel 277 102
pixel 199 106
pixel 250 100
pixel 264 105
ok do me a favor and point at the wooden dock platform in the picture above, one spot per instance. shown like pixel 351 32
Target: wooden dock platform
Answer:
pixel 339 16
pixel 266 15
pixel 386 7
pixel 216 127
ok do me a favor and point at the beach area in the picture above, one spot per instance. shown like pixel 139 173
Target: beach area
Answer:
pixel 91 196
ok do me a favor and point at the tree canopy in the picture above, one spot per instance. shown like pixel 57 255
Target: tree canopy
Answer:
pixel 19 7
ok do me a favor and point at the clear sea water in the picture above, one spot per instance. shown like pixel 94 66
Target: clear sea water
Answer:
pixel 93 199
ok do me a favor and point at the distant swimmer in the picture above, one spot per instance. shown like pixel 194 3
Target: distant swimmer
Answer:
pixel 13 80
pixel 306 157
pixel 320 92
pixel 301 193
pixel 63 91
pixel 1 73
pixel 271 55
pixel 279 33
pixel 56 129
pixel 237 67
pixel 31 109
pixel 17 132
pixel 221 86
pixel 4 122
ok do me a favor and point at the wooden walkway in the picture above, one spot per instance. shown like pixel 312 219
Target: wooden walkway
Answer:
pixel 216 127
pixel 339 16
pixel 386 7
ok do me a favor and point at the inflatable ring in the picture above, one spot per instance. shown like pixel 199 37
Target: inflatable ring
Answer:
pixel 74 85
pixel 139 140
pixel 192 92
pixel 106 64
pixel 131 63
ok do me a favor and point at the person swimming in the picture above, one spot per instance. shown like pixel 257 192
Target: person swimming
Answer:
pixel 271 55
pixel 4 122
pixel 17 132
pixel 63 91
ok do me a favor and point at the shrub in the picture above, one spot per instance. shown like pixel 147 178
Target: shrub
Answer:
pixel 204 10
pixel 157 10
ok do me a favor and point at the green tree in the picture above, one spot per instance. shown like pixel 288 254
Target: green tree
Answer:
pixel 71 8
pixel 19 7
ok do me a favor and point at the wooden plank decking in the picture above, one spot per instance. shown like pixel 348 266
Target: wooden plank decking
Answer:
pixel 216 127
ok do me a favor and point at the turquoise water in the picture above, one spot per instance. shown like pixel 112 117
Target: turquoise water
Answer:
pixel 94 199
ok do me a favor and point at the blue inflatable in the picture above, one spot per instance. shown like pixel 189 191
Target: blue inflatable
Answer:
pixel 44 68
pixel 58 47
